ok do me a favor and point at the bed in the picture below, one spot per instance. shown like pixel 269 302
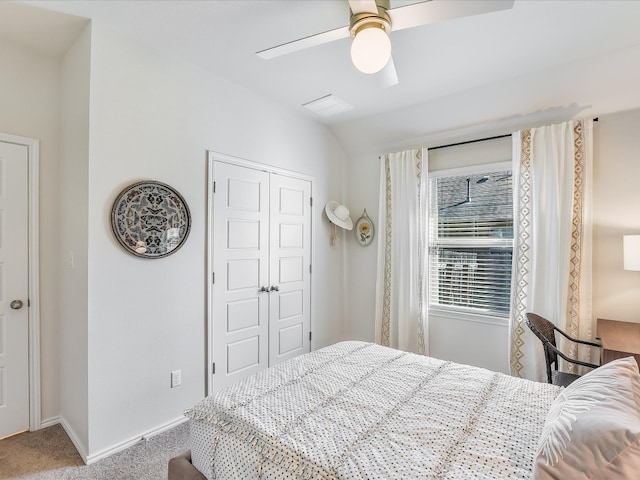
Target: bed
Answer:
pixel 358 410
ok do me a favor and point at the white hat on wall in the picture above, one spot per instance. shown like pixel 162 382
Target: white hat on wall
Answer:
pixel 338 215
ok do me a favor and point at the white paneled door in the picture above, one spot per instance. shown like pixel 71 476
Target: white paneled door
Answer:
pixel 14 317
pixel 261 242
pixel 290 260
pixel 241 272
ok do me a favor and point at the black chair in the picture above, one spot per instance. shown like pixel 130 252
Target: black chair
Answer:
pixel 545 331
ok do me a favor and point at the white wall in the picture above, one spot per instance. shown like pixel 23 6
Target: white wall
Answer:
pixel 616 292
pixel 73 232
pixel 153 117
pixel 450 338
pixel 30 107
pixel 363 180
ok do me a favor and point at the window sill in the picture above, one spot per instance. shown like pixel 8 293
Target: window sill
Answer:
pixel 468 317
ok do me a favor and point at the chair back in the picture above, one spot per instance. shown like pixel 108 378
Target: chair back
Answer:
pixel 544 330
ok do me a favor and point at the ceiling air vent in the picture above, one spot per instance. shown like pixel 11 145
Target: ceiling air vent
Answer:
pixel 327 106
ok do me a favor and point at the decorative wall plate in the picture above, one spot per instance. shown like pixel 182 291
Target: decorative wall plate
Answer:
pixel 150 219
pixel 364 229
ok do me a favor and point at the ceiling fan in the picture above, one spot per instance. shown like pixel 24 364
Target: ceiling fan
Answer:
pixel 373 20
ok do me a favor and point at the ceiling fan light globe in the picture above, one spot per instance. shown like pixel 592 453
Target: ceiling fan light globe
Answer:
pixel 371 49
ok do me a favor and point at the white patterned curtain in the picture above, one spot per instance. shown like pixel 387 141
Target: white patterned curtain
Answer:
pixel 401 302
pixel 552 239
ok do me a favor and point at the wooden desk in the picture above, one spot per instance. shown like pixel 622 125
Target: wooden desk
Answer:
pixel 619 339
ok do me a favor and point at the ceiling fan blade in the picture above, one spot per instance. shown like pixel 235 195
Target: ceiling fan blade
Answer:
pixel 388 76
pixel 306 42
pixel 438 10
pixel 363 6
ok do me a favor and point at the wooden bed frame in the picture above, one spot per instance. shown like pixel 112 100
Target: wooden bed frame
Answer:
pixel 181 468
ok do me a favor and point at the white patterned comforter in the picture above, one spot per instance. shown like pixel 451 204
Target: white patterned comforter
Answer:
pixel 357 410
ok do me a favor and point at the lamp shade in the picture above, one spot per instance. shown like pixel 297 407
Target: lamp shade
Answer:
pixel 631 248
pixel 370 49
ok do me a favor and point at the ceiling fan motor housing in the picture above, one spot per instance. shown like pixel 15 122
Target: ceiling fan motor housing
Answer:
pixel 362 20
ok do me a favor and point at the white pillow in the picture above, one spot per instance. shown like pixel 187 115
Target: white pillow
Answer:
pixel 592 430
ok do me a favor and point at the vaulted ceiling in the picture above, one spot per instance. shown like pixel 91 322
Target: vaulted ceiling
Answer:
pixel 539 61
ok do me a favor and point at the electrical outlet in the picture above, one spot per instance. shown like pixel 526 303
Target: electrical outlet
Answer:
pixel 176 378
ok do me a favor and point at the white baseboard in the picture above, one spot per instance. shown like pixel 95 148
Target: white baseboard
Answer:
pixel 89 459
pixel 70 433
pixel 164 428
pixel 49 422
pixel 132 441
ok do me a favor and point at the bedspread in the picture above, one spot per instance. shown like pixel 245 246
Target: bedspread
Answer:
pixel 359 410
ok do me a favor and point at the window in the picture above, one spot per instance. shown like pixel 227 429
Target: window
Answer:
pixel 471 240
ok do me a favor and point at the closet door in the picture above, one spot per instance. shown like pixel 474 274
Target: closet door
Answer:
pixel 290 264
pixel 240 305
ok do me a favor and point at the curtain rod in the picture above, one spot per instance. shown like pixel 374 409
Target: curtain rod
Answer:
pixel 477 140
pixel 468 141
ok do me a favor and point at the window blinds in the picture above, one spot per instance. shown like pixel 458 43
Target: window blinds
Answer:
pixel 471 242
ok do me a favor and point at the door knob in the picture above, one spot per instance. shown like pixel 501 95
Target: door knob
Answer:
pixel 264 289
pixel 16 304
pixel 275 288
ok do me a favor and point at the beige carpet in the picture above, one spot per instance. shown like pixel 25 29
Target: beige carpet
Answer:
pixel 48 454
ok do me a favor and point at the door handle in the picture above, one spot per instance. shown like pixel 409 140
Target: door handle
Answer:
pixel 274 288
pixel 16 304
pixel 263 289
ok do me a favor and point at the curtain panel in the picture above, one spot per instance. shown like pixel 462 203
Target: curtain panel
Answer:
pixel 401 301
pixel 552 239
